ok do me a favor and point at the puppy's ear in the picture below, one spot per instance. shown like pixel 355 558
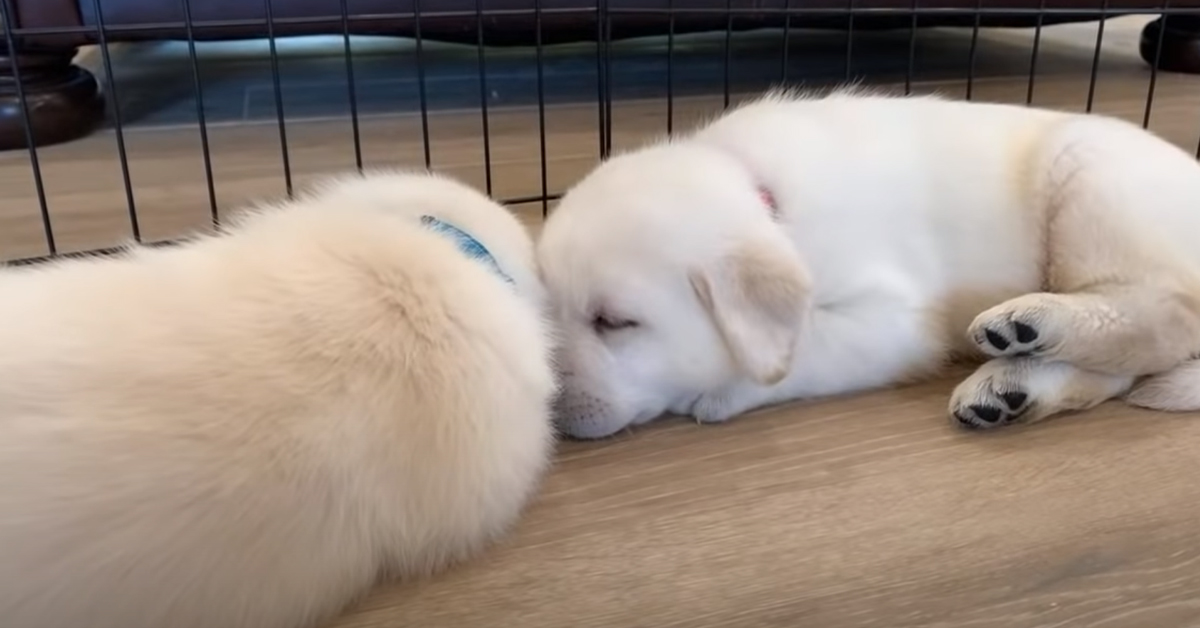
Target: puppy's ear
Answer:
pixel 757 295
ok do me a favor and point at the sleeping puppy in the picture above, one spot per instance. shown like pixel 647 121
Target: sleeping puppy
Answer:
pixel 249 429
pixel 800 247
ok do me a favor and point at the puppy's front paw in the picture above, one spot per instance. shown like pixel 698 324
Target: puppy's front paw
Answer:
pixel 714 408
pixel 718 406
pixel 1016 328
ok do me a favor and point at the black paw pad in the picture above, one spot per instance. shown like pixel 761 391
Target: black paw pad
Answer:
pixel 1014 399
pixel 965 421
pixel 987 414
pixel 1025 333
pixel 996 340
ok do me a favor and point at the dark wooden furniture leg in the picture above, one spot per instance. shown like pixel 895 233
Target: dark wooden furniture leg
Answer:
pixel 62 99
pixel 1180 44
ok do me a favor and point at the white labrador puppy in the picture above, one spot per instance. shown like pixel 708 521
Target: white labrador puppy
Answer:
pixel 801 246
pixel 247 430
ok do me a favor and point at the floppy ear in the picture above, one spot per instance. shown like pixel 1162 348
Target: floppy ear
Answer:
pixel 757 295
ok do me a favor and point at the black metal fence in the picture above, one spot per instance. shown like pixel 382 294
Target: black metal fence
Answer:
pixel 603 26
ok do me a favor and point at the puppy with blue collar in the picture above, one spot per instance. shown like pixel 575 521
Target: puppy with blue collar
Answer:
pixel 249 429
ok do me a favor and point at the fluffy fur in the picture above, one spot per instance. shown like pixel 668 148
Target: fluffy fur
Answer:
pixel 1065 248
pixel 248 430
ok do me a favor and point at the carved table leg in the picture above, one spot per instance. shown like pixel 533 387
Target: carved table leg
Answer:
pixel 1180 45
pixel 62 99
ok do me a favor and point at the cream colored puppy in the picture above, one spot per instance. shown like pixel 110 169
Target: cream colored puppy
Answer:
pixel 801 246
pixel 247 430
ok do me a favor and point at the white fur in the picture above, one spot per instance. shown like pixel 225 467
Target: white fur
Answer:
pixel 909 217
pixel 249 429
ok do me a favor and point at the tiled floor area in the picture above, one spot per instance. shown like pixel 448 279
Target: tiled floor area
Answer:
pixel 84 180
pixel 238 82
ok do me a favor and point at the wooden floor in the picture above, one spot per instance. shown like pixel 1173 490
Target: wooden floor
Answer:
pixel 868 511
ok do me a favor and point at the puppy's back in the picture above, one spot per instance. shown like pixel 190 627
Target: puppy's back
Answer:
pixel 247 430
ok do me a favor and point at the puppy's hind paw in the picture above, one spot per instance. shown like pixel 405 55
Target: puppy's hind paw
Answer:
pixel 990 409
pixel 1015 328
pixel 1021 390
pixel 995 395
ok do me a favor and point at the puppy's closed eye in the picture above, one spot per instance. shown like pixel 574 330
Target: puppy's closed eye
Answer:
pixel 605 323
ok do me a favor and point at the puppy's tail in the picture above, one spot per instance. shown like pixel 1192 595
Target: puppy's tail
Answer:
pixel 1177 390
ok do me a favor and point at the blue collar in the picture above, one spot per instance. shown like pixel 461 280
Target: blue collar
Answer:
pixel 471 247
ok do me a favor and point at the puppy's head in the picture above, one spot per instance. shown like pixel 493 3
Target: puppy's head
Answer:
pixel 670 279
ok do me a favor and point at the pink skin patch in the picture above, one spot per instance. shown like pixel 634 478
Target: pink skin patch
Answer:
pixel 768 199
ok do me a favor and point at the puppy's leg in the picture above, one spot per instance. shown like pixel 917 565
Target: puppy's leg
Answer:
pixel 1123 327
pixel 1011 390
pixel 1121 298
pixel 1176 390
